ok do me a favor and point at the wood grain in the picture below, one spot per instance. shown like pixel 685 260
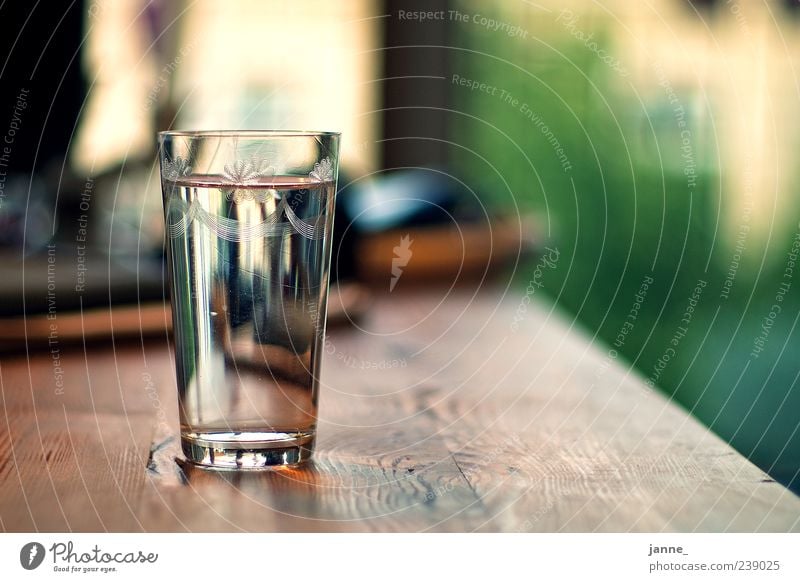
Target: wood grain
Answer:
pixel 436 415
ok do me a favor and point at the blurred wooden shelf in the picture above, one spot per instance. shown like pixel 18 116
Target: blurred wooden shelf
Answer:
pixel 346 301
pixel 465 251
pixel 436 416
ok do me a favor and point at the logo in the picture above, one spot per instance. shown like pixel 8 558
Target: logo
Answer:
pixel 31 555
pixel 402 254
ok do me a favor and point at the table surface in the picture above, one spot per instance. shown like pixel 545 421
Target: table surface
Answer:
pixel 436 415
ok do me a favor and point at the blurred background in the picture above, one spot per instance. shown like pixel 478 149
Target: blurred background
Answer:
pixel 632 163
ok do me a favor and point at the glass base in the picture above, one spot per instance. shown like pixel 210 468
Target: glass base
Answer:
pixel 247 450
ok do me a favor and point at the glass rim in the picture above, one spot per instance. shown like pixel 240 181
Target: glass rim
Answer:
pixel 246 133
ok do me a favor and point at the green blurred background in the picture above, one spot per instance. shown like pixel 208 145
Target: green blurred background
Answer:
pixel 659 181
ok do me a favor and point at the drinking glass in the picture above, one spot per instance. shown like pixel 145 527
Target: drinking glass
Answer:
pixel 248 217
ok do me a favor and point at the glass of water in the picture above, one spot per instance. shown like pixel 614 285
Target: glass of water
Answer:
pixel 248 217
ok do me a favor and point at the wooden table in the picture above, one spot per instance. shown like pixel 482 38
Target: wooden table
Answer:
pixel 435 416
